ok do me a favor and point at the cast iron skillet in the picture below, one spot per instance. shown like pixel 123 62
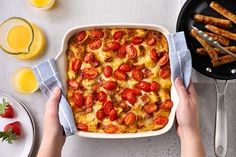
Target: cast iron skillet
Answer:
pixel 203 64
pixel 184 22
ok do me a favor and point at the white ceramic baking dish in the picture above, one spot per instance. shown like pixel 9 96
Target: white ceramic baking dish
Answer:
pixel 62 67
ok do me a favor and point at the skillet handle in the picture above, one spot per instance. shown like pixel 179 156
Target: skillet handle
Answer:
pixel 221 122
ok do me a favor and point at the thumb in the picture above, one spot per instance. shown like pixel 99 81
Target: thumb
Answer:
pixel 53 101
pixel 181 90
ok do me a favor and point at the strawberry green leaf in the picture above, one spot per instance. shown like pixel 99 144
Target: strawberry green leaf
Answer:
pixel 3 106
pixel 8 136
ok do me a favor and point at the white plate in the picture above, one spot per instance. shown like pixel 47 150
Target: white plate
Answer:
pixel 62 67
pixel 24 145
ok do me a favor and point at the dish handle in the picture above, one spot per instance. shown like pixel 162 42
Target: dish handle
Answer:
pixel 220 122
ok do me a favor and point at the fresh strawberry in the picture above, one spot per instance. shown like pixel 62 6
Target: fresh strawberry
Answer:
pixel 6 110
pixel 12 131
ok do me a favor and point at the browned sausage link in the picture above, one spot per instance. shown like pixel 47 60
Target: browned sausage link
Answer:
pixel 210 50
pixel 223 41
pixel 202 51
pixel 222 32
pixel 223 11
pixel 223 60
pixel 212 20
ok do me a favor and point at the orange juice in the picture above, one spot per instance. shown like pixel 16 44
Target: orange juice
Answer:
pixel 19 38
pixel 37 47
pixel 24 81
pixel 47 4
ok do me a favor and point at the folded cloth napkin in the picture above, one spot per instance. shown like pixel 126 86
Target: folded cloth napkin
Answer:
pixel 180 57
pixel 48 78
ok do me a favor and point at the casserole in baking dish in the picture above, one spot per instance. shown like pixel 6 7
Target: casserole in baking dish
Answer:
pixel 117 80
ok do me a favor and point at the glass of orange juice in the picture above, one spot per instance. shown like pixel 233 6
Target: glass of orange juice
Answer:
pixel 42 4
pixel 24 81
pixel 21 38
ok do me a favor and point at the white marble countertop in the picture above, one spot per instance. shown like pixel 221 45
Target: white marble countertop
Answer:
pixel 69 13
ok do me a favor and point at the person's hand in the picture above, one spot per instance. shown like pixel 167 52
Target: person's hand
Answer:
pixel 53 138
pixel 187 118
pixel 187 112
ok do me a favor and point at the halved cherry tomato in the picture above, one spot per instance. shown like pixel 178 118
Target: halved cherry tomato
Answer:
pixel 97 33
pixel 107 107
pixel 100 114
pixel 163 60
pixel 88 101
pixel 110 129
pixel 151 41
pixel 137 40
pixel 161 120
pixel 137 74
pixel 101 96
pixel 89 57
pixel 153 55
pixel 164 73
pixel 125 67
pixel 130 118
pixel 76 64
pixel 145 86
pixel 109 85
pixel 119 75
pixel 107 71
pixel 155 86
pixel 90 73
pixel 136 91
pixel 122 51
pixel 131 97
pixel 124 93
pixel 113 115
pixel 113 46
pixel 118 35
pixel 131 51
pixel 168 104
pixel 80 36
pixel 95 44
pixel 82 127
pixel 73 83
pixel 150 108
pixel 78 99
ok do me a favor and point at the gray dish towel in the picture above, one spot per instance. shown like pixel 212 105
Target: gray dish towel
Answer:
pixel 48 78
pixel 180 57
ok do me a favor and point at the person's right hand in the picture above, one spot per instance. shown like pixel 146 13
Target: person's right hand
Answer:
pixel 187 112
pixel 187 117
